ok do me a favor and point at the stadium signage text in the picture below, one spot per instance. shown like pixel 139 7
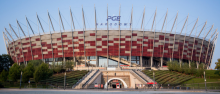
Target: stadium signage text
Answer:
pixel 113 18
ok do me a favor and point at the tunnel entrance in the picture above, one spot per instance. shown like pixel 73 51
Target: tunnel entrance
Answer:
pixel 117 84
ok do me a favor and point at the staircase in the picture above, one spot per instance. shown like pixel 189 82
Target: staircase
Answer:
pixel 122 60
pixel 92 79
pixel 85 80
pixel 138 77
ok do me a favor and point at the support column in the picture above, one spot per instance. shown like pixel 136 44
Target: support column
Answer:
pixel 97 61
pixel 161 62
pixel 189 64
pixel 180 62
pixel 141 62
pixel 151 61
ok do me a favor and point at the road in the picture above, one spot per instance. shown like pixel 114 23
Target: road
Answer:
pixel 97 91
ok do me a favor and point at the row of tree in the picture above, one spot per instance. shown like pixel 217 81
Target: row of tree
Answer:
pixel 36 69
pixel 186 68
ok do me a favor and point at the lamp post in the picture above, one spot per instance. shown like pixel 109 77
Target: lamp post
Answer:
pixel 20 79
pixel 205 81
pixel 64 81
pixel 134 83
pixel 154 80
pixel 107 81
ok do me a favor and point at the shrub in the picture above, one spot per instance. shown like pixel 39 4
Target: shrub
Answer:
pixel 42 72
pixel 3 76
pixel 14 72
pixel 28 72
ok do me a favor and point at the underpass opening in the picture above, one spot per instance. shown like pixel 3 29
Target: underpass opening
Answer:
pixel 116 83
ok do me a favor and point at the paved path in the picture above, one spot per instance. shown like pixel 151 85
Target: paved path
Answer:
pixel 97 91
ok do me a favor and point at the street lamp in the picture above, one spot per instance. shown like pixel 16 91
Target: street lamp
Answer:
pixel 20 79
pixel 107 81
pixel 154 80
pixel 64 80
pixel 205 81
pixel 134 83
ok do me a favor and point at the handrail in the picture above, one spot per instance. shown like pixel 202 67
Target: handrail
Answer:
pixel 139 75
pixel 90 78
pixel 79 81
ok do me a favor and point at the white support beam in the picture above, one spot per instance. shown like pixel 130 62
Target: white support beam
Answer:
pixel 29 39
pixel 202 44
pixel 194 26
pixel 61 20
pixel 209 45
pixel 40 23
pixel 154 21
pixel 72 29
pixel 13 30
pixel 50 20
pixel 202 29
pixel 21 28
pixel 29 25
pixel 174 38
pixel 142 39
pixel 108 38
pixel 131 28
pixel 119 57
pixel 97 65
pixel 84 28
pixel 165 22
pixel 184 36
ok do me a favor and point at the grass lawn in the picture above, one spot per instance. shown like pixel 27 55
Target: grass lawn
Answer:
pixel 201 80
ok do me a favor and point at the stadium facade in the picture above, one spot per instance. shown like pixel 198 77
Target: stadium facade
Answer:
pixel 98 48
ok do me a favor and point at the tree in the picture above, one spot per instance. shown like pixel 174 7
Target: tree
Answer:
pixel 22 66
pixel 3 76
pixel 69 65
pixel 170 65
pixel 42 72
pixel 5 62
pixel 36 63
pixel 28 72
pixel 217 66
pixel 14 72
pixel 200 70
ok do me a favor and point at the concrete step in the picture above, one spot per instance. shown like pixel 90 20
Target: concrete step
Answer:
pixel 79 86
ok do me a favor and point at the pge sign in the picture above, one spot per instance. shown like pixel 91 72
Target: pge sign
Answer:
pixel 114 18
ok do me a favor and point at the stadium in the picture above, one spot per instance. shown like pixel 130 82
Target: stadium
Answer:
pixel 112 48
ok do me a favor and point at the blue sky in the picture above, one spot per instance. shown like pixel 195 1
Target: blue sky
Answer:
pixel 206 10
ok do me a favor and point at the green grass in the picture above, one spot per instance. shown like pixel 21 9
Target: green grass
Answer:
pixel 71 78
pixel 177 79
pixel 55 80
pixel 167 77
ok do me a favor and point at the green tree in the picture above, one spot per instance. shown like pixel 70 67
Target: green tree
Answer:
pixel 69 65
pixel 180 69
pixel 200 70
pixel 170 65
pixel 5 62
pixel 3 76
pixel 28 72
pixel 42 72
pixel 192 69
pixel 217 66
pixel 36 63
pixel 186 68
pixel 14 72
pixel 176 65
pixel 22 66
